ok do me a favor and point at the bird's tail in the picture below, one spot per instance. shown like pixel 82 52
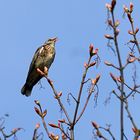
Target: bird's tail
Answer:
pixel 26 90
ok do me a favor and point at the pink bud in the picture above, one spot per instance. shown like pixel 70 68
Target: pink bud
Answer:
pixel 95 81
pixel 130 32
pixel 126 10
pixel 37 125
pixel 60 94
pixel 108 6
pixel 117 31
pixel 59 124
pixel 110 22
pixel 95 51
pixel 108 63
pixel 131 60
pixel 108 36
pixel 120 79
pixel 85 65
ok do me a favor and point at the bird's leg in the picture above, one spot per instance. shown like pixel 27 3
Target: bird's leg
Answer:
pixel 46 71
pixel 40 72
pixel 45 74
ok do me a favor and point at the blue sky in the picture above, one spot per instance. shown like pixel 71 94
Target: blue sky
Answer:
pixel 27 24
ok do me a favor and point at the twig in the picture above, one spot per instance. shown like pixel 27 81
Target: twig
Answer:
pixel 121 74
pixel 45 126
pixel 108 130
pixel 86 103
pixel 133 89
pixel 134 35
pixel 13 132
pixel 72 97
pixel 80 92
pixel 58 99
pixel 129 115
pixel 35 136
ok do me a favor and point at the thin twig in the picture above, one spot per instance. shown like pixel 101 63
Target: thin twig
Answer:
pixel 129 115
pixel 58 99
pixel 121 74
pixel 86 103
pixel 80 91
pixel 108 130
pixel 134 36
pixel 45 126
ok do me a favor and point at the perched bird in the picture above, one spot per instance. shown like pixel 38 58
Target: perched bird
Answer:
pixel 43 57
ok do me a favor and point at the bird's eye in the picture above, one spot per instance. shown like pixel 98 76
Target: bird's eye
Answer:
pixel 50 40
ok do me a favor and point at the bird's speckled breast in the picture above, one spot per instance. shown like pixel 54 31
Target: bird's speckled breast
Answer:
pixel 45 57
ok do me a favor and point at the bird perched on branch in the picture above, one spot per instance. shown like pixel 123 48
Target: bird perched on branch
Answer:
pixel 43 57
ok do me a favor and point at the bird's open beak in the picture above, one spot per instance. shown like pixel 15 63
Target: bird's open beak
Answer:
pixel 55 39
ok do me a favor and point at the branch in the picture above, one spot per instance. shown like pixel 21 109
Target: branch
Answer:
pixel 54 91
pixel 80 90
pixel 86 103
pixel 58 99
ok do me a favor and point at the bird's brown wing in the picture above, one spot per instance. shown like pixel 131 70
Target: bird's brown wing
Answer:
pixel 32 65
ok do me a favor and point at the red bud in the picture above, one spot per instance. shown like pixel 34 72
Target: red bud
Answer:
pixel 110 22
pixel 95 125
pixel 62 121
pixel 53 125
pixel 92 64
pixel 113 3
pixel 134 130
pixel 131 7
pixel 37 111
pixel 113 77
pixel 91 49
pixel 137 29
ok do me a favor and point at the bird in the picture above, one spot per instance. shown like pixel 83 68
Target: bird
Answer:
pixel 43 58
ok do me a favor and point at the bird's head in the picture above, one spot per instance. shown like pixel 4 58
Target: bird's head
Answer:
pixel 51 41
